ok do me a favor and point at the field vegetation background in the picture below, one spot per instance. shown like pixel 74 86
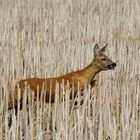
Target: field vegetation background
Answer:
pixel 49 38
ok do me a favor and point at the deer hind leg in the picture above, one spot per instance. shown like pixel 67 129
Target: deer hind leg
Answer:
pixel 14 102
pixel 13 105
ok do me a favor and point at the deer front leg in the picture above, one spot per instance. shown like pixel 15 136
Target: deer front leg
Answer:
pixel 93 83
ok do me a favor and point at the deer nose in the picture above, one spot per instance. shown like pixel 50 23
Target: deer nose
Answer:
pixel 112 66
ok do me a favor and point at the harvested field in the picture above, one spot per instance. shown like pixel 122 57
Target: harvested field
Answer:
pixel 49 38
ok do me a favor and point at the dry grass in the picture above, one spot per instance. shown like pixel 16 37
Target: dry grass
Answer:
pixel 51 38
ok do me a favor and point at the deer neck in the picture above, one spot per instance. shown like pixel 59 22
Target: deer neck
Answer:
pixel 90 71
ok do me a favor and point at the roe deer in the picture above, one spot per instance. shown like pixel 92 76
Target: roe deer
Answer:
pixel 86 75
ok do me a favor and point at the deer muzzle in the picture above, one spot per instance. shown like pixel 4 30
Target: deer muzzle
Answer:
pixel 112 66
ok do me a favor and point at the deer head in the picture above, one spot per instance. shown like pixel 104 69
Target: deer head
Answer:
pixel 101 60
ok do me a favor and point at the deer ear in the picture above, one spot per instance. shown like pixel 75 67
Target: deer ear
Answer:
pixel 103 49
pixel 96 49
